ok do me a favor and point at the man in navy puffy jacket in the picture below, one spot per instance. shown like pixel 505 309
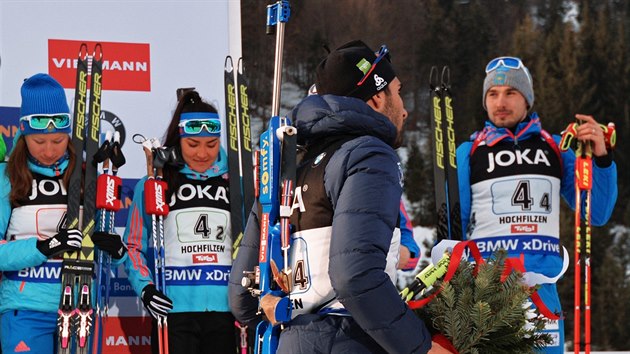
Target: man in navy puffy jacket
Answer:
pixel 346 239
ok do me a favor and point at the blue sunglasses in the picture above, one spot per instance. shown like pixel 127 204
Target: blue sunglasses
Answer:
pixel 382 52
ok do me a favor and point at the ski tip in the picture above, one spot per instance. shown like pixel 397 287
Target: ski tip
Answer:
pixel 240 66
pixel 83 51
pixel 97 54
pixel 229 64
pixel 446 76
pixel 433 77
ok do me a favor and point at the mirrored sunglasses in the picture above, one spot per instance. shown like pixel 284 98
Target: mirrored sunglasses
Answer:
pixel 196 126
pixel 508 62
pixel 43 121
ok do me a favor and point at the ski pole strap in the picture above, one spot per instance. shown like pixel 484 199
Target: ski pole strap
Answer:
pixel 518 264
pixel 567 137
pixel 117 158
pixel 610 136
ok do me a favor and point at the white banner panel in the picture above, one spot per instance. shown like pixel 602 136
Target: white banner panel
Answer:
pixel 150 48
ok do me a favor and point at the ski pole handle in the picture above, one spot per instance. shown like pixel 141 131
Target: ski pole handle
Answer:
pixel 426 278
pixel 147 146
pixel 610 135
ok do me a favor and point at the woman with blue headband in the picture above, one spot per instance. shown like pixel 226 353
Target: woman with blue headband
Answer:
pixel 197 241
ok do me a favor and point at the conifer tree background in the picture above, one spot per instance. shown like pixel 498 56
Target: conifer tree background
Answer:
pixel 578 53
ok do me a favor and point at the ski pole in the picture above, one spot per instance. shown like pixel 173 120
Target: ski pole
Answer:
pixel 118 160
pixel 101 206
pixel 156 206
pixel 162 255
pixel 583 183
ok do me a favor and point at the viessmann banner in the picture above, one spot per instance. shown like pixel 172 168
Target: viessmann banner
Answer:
pixel 128 65
pixel 149 50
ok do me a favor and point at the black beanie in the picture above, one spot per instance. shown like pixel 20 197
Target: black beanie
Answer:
pixel 343 69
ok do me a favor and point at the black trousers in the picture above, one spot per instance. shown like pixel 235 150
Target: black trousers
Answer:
pixel 198 333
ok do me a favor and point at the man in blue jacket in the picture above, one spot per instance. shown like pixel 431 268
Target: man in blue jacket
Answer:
pixel 345 238
pixel 511 177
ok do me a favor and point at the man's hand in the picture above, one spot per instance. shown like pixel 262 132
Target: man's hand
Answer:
pixel 589 130
pixel 403 257
pixel 268 304
pixel 65 241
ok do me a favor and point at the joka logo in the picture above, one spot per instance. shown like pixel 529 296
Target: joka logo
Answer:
pixel 126 66
pixel 507 158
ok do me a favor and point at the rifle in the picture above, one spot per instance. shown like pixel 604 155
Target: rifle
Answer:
pixel 277 163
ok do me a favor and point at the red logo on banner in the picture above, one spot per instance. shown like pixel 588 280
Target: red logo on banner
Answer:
pixel 126 66
pixel 205 258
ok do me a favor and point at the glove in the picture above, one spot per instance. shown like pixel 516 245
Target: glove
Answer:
pixel 156 302
pixel 65 241
pixel 110 243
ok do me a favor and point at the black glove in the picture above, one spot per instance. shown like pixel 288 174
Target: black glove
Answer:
pixel 65 241
pixel 155 301
pixel 110 243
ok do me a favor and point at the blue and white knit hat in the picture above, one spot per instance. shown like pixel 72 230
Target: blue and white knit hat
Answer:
pixel 42 94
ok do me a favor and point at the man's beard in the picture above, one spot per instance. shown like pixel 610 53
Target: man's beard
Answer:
pixel 390 112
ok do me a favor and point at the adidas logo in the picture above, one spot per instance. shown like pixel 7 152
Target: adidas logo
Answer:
pixel 53 243
pixel 22 347
pixel 379 82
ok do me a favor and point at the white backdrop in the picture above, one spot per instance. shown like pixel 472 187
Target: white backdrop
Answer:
pixel 154 48
pixel 188 42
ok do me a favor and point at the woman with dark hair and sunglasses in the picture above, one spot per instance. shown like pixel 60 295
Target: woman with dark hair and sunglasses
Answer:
pixel 197 241
pixel 511 177
pixel 33 200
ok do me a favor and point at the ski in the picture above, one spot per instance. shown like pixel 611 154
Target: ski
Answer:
pixel 78 267
pixel 240 163
pixel 239 149
pixel 444 157
pixel 245 141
